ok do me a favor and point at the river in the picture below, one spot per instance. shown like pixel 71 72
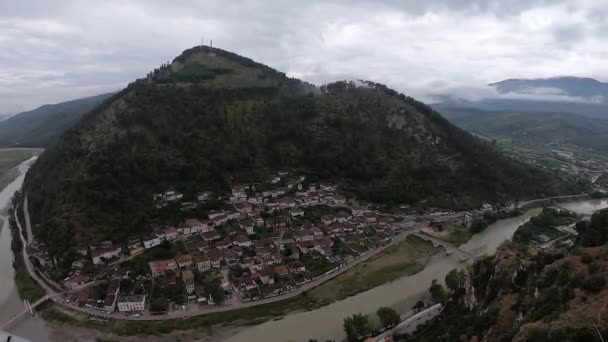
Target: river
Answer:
pixel 326 323
pixel 322 324
pixel 33 328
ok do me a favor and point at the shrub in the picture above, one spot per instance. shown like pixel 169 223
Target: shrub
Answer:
pixel 594 283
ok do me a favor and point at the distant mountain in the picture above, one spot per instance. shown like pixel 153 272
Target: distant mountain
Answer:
pixel 43 125
pixel 531 127
pixel 594 110
pixel 587 88
pixel 212 118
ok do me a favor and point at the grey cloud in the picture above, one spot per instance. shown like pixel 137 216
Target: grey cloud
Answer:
pixel 53 52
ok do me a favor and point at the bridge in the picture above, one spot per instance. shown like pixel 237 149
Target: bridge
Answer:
pixel 29 308
pixel 463 255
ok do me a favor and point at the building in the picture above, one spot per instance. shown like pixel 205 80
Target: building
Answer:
pixel 159 267
pixel 152 240
pixel 100 255
pixel 472 215
pixel 170 233
pixel 184 260
pixel 242 241
pixel 195 225
pixel 131 303
pixel 295 212
pixel 202 262
pixel 188 279
pixel 109 303
pixel 75 281
pixel 135 246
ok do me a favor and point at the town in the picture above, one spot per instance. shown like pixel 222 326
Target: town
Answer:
pixel 263 245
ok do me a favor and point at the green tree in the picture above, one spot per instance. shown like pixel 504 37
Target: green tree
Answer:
pixel 356 327
pixel 214 289
pixel 438 293
pixel 455 280
pixel 418 306
pixel 388 316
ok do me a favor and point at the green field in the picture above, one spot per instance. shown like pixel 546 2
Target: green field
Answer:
pixel 406 258
pixel 9 159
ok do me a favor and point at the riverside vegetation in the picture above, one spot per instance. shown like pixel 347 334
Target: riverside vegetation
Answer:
pixel 525 293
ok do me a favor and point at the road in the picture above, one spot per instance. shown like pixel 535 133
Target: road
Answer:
pixel 28 225
pixel 525 203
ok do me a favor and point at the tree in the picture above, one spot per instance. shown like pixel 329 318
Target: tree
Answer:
pixel 455 280
pixel 418 306
pixel 438 293
pixel 356 327
pixel 214 289
pixel 388 316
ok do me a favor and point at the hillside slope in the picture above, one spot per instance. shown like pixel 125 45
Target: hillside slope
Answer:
pixel 212 118
pixel 43 125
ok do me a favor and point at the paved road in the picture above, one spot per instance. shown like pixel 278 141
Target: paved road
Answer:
pixel 28 225
pixel 524 203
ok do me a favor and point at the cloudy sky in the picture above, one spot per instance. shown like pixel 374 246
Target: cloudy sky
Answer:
pixel 52 51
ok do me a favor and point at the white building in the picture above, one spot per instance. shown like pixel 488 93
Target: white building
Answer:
pixel 131 303
pixel 151 241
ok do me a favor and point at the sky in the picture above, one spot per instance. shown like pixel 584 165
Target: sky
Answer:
pixel 51 51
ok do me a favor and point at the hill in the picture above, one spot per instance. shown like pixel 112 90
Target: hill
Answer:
pixel 43 125
pixel 212 118
pixel 532 127
pixel 587 88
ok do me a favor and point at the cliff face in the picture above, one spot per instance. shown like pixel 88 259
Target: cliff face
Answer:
pixel 552 295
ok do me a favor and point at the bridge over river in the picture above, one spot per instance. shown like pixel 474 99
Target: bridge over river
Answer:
pixel 463 255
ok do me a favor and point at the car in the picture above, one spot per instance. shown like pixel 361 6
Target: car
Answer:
pixel 136 315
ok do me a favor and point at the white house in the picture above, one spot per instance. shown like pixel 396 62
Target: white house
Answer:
pixel 131 303
pixel 195 225
pixel 151 241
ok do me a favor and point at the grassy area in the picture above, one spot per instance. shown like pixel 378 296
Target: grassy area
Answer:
pixel 9 159
pixel 26 286
pixel 406 258
pixel 458 236
pixel 244 317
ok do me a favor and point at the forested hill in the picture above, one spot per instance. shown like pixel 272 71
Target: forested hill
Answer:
pixel 212 118
pixel 43 125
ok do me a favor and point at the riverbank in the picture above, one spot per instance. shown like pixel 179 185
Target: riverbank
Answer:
pixel 9 160
pixel 408 257
pixel 27 287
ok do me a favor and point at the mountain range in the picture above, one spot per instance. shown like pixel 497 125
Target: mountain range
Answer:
pixel 212 118
pixel 532 127
pixel 42 126
pixel 587 88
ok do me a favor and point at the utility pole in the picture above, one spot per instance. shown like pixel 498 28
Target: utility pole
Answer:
pixel 598 332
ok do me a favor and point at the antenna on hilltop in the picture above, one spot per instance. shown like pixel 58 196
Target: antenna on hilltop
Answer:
pixel 202 40
pixel 211 52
